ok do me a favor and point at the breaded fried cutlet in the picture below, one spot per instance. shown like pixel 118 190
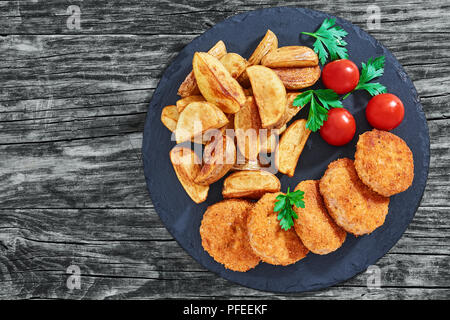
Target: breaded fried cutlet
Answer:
pixel 224 234
pixel 273 244
pixel 353 205
pixel 317 230
pixel 384 162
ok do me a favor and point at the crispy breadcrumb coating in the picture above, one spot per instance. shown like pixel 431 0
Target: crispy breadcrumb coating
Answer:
pixel 317 230
pixel 268 240
pixel 384 162
pixel 224 234
pixel 352 205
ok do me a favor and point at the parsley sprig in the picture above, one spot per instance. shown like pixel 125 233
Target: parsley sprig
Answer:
pixel 373 69
pixel 283 206
pixel 330 37
pixel 318 111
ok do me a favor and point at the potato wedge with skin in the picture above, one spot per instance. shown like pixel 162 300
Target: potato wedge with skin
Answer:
pixel 189 86
pixel 281 130
pixel 291 110
pixel 249 165
pixel 270 95
pixel 250 184
pixel 268 140
pixel 197 118
pixel 219 157
pixel 211 134
pixel 268 43
pixel 243 80
pixel 291 146
pixel 187 166
pixel 182 103
pixel 246 125
pixel 298 78
pixel 234 63
pixel 250 137
pixel 291 56
pixel 216 84
pixel 248 92
pixel 169 117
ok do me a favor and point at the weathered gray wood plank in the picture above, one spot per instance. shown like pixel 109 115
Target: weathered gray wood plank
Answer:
pixel 98 86
pixel 131 254
pixel 74 65
pixel 100 226
pixel 188 17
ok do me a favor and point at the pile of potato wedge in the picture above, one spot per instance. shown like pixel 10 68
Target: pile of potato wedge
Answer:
pixel 240 109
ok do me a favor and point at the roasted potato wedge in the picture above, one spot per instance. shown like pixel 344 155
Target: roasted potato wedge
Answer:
pixel 169 117
pixel 270 95
pixel 248 92
pixel 268 140
pixel 189 86
pixel 234 63
pixel 281 130
pixel 298 78
pixel 219 156
pixel 290 112
pixel 197 118
pixel 268 43
pixel 216 84
pixel 243 80
pixel 246 125
pixel 290 56
pixel 187 166
pixel 291 146
pixel 250 184
pixel 250 137
pixel 182 103
pixel 210 134
pixel 249 165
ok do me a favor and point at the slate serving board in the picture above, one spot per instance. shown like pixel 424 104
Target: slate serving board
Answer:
pixel 182 217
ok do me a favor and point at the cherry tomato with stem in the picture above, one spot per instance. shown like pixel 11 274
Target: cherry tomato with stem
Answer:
pixel 342 76
pixel 340 127
pixel 385 111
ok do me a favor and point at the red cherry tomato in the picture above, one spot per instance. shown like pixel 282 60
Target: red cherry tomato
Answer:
pixel 341 76
pixel 339 128
pixel 385 111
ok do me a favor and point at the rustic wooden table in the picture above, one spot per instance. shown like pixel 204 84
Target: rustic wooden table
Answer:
pixel 73 99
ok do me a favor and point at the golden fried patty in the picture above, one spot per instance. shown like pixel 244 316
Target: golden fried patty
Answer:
pixel 273 244
pixel 384 162
pixel 352 205
pixel 317 230
pixel 225 237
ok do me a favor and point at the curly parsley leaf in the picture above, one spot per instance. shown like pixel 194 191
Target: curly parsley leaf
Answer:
pixel 329 38
pixel 283 206
pixel 321 101
pixel 373 69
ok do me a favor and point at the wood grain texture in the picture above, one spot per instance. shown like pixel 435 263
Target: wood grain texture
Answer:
pixel 193 17
pixel 72 109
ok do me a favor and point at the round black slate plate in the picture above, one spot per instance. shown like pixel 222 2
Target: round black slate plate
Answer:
pixel 182 217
